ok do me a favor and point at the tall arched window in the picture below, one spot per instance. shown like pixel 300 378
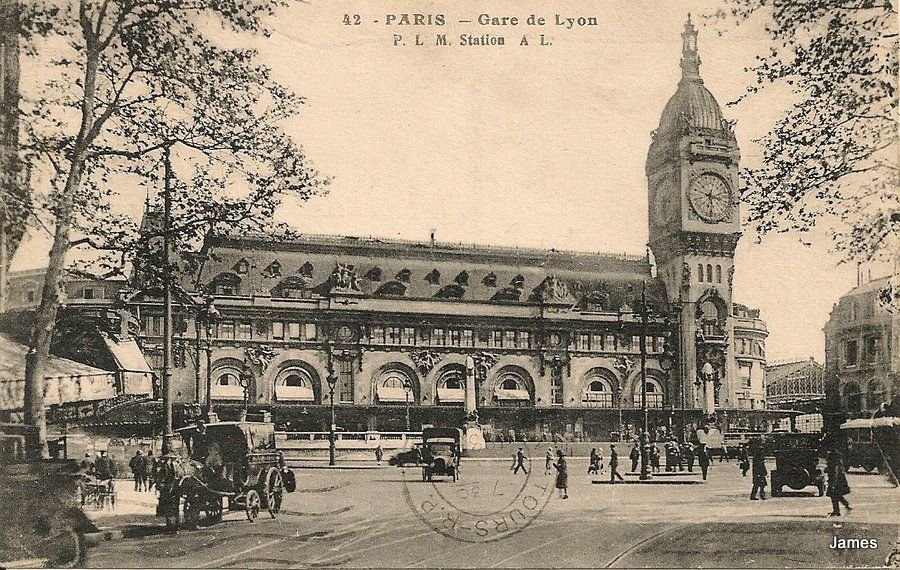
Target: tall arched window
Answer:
pixel 599 391
pixel 718 273
pixel 296 383
pixel 512 388
pixel 700 272
pixel 708 273
pixel 654 394
pixel 451 386
pixel 395 385
pixel 226 384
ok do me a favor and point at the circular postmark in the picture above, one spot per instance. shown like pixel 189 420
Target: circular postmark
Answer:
pixel 479 506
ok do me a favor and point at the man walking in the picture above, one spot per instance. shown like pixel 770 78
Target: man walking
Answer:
pixel 688 452
pixel 520 462
pixel 103 467
pixel 614 465
pixel 379 454
pixel 635 456
pixel 759 474
pixel 703 459
pixel 138 465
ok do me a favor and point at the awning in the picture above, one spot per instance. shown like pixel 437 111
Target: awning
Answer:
pixel 294 393
pixel 870 423
pixel 502 394
pixel 451 395
pixel 229 392
pixel 127 354
pixel 391 394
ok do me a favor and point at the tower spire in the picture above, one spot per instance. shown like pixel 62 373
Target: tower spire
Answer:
pixel 690 58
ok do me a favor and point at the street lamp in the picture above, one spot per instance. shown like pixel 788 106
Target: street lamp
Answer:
pixel 207 317
pixel 407 388
pixel 244 380
pixel 332 380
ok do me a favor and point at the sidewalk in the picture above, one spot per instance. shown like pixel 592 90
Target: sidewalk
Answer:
pixel 133 515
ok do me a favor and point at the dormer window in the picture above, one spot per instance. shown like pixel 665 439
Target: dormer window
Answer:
pixel 434 277
pixel 273 270
pixel 403 275
pixel 490 280
pixel 462 279
pixel 518 281
pixel 242 267
pixel 306 270
pixel 374 274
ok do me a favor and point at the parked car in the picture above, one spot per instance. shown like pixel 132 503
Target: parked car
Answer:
pixel 407 457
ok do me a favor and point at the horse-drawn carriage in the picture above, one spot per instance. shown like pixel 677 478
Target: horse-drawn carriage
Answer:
pixel 223 465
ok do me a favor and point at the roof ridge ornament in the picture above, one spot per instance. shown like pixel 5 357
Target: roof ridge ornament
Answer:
pixel 690 57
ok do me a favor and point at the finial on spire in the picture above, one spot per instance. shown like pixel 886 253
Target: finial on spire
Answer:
pixel 690 58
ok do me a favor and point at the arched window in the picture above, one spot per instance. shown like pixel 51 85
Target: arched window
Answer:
pixel 700 272
pixel 395 386
pixel 599 391
pixel 226 384
pixel 451 386
pixel 718 273
pixel 512 388
pixel 654 394
pixel 708 273
pixel 296 384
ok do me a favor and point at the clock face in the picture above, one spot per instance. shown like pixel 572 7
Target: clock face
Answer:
pixel 710 198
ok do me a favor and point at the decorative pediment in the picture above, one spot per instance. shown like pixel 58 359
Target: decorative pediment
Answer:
pixel 343 278
pixel 392 289
pixel 242 267
pixel 551 290
pixel 597 300
pixel 452 291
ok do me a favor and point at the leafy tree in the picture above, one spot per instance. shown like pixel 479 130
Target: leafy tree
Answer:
pixel 127 83
pixel 834 153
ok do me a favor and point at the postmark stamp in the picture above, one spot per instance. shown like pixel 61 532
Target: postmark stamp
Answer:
pixel 478 507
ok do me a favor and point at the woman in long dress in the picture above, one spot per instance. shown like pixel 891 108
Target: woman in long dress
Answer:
pixel 562 475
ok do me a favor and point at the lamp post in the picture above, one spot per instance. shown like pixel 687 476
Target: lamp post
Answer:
pixel 407 388
pixel 207 317
pixel 244 380
pixel 332 380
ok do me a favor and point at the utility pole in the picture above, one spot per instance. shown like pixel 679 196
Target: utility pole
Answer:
pixel 169 434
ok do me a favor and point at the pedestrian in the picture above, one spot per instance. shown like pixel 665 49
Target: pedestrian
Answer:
pixel 838 487
pixel 87 464
pixel 548 462
pixel 103 467
pixel 151 470
pixel 614 465
pixel 520 462
pixel 724 454
pixel 635 456
pixel 138 465
pixel 562 475
pixel 379 454
pixel 745 460
pixel 759 474
pixel 703 459
pixel 688 452
pixel 654 458
pixel 594 466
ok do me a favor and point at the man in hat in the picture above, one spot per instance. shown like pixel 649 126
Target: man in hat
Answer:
pixel 103 467
pixel 520 462
pixel 703 459
pixel 614 465
pixel 138 466
pixel 635 456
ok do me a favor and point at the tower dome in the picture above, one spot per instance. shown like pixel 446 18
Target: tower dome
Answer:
pixel 692 106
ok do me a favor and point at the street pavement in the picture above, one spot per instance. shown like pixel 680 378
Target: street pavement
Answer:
pixel 389 517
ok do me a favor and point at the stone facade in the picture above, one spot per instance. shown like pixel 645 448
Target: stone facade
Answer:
pixel 859 343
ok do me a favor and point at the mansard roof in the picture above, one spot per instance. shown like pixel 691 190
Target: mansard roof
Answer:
pixel 618 276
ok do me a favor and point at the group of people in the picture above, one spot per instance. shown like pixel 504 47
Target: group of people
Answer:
pixel 143 468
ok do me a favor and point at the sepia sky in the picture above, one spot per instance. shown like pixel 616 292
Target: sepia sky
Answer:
pixel 531 146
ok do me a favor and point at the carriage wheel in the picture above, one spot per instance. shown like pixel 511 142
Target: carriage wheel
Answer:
pixel 214 509
pixel 252 504
pixel 193 505
pixel 274 493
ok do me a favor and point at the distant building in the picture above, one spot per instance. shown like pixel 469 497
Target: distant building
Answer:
pixel 859 342
pixel 796 385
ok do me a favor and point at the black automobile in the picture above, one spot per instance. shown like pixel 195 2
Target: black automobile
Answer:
pixel 407 457
pixel 797 463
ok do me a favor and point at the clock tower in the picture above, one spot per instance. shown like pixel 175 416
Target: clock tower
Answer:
pixel 692 176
